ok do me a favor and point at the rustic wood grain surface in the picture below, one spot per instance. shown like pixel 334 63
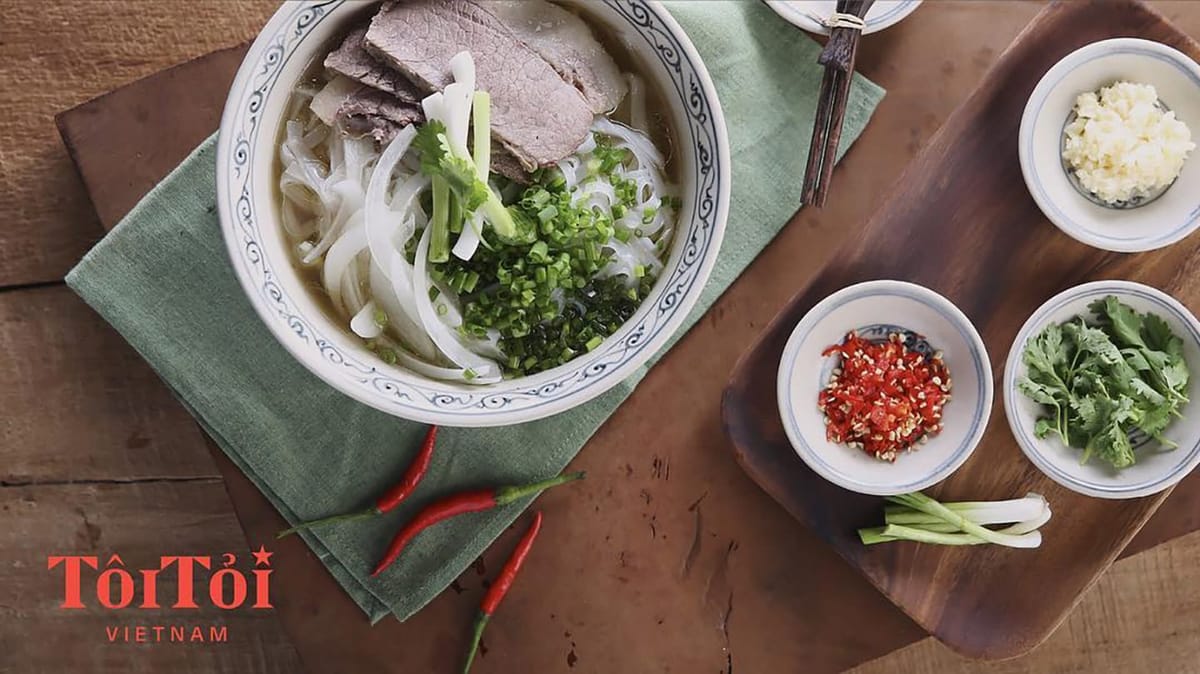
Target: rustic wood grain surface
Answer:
pixel 786 588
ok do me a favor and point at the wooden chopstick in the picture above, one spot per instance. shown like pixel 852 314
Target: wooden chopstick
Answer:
pixel 810 192
pixel 838 57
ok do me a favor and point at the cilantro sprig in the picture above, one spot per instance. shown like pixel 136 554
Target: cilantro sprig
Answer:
pixel 457 191
pixel 1105 380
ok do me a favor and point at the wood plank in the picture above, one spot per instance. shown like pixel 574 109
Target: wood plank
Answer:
pixel 1138 618
pixel 627 575
pixel 198 86
pixel 59 56
pixel 80 404
pixel 140 522
pixel 997 258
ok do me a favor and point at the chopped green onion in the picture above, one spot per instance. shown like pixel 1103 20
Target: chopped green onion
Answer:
pixel 439 241
pixel 917 517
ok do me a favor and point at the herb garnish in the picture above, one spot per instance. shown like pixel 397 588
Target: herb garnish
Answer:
pixel 1101 381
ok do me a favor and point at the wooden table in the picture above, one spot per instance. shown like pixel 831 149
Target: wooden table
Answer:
pixel 95 455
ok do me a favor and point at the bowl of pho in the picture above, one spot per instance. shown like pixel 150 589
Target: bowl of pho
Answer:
pixel 472 213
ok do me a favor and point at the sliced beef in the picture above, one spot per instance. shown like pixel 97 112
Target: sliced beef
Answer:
pixel 353 61
pixel 504 163
pixel 535 114
pixel 331 96
pixel 360 110
pixel 364 111
pixel 375 113
pixel 568 45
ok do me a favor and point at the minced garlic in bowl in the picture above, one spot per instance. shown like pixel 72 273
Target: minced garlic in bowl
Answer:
pixel 1123 147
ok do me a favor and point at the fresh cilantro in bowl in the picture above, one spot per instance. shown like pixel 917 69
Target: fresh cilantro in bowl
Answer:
pixel 1106 383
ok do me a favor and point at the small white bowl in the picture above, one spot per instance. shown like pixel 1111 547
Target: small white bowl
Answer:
pixel 810 15
pixel 884 306
pixel 1155 469
pixel 1158 223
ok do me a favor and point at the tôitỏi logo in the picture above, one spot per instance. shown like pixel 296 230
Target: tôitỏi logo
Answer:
pixel 176 583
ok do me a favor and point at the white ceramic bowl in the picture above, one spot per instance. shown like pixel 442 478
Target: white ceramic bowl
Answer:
pixel 1158 223
pixel 810 15
pixel 249 208
pixel 877 308
pixel 1155 470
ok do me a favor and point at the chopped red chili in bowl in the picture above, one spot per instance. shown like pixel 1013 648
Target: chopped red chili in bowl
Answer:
pixel 884 397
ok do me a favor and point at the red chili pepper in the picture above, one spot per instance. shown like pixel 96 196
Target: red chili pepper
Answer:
pixel 884 398
pixel 500 586
pixel 392 497
pixel 458 504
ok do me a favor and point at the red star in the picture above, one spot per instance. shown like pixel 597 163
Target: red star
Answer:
pixel 262 557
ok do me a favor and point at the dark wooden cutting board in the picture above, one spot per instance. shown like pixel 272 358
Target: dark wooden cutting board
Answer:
pixel 960 221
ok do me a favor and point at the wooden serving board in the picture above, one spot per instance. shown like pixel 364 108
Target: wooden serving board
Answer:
pixel 960 221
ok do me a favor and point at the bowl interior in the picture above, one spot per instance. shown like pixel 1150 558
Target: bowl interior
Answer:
pixel 1156 468
pixel 1155 224
pixel 302 32
pixel 804 372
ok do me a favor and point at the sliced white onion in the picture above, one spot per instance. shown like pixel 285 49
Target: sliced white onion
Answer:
pixel 462 67
pixel 352 284
pixel 364 325
pixel 423 368
pixel 326 102
pixel 447 341
pixel 433 107
pixel 404 325
pixel 456 101
pixel 380 222
pixel 468 241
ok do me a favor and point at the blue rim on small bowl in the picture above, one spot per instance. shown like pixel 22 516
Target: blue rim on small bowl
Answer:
pixel 1154 471
pixel 803 371
pixel 807 14
pixel 1158 223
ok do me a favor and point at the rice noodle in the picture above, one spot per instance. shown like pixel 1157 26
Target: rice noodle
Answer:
pixel 339 258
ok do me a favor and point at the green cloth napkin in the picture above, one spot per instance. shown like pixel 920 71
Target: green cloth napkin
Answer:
pixel 162 278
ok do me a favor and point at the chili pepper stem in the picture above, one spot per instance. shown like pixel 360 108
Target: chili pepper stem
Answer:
pixel 481 622
pixel 506 495
pixel 346 517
